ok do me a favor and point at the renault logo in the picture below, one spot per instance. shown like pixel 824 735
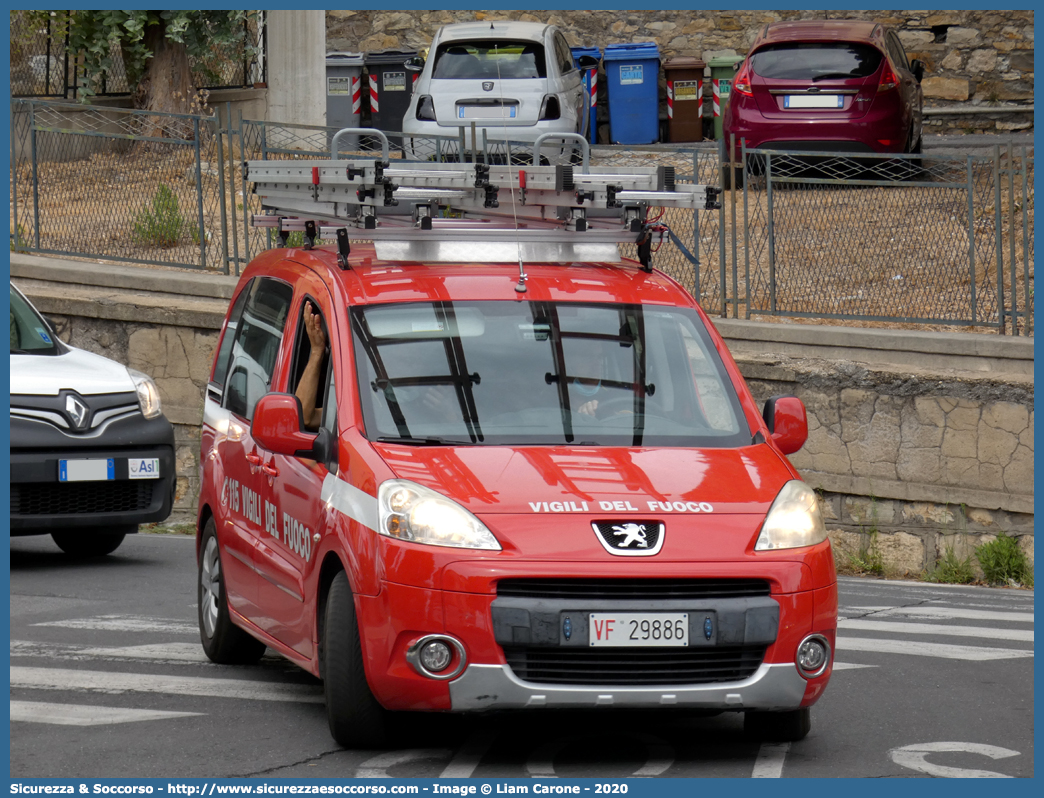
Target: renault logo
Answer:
pixel 487 85
pixel 77 411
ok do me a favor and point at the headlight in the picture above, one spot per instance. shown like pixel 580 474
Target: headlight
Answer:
pixel 148 393
pixel 793 520
pixel 419 515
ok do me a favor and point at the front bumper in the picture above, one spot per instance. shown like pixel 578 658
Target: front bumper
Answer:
pixel 486 687
pixel 41 503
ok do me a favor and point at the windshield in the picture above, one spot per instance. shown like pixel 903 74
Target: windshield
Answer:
pixel 501 373
pixel 30 334
pixel 490 60
pixel 809 61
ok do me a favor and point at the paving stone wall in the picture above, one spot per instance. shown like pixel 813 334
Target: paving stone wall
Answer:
pixel 910 464
pixel 975 59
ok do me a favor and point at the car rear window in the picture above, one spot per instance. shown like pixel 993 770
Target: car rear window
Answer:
pixel 816 61
pixel 490 60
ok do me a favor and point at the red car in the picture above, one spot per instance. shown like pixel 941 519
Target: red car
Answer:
pixel 441 483
pixel 827 85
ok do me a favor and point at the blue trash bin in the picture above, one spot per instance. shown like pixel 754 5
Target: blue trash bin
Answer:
pixel 632 73
pixel 590 86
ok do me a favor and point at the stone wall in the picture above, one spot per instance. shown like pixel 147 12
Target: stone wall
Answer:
pixel 977 60
pixel 914 463
pixel 918 442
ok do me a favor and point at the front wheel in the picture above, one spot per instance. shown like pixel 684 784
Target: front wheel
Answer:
pixel 223 641
pixel 778 727
pixel 356 719
pixel 91 542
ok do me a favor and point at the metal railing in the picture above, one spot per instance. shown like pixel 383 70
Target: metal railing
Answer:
pixel 917 239
pixel 906 238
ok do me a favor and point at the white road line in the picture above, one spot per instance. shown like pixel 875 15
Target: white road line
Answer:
pixel 160 652
pixel 125 623
pixel 468 757
pixel 899 627
pixel 971 653
pixel 81 715
pixel 932 611
pixel 106 682
pixel 769 764
pixel 849 666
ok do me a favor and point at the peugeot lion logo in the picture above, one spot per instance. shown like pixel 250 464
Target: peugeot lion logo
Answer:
pixel 77 411
pixel 487 85
pixel 639 538
pixel 632 533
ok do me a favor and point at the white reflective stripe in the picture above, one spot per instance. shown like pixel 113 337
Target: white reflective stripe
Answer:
pixel 348 499
pixel 84 715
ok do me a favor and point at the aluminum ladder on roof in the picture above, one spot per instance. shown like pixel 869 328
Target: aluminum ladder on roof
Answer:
pixel 471 211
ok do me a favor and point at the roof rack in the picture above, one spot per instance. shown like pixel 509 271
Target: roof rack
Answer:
pixel 471 211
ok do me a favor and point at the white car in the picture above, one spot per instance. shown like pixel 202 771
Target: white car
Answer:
pixel 92 455
pixel 513 81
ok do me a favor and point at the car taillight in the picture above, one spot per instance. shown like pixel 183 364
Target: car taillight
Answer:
pixel 889 80
pixel 549 109
pixel 741 83
pixel 426 108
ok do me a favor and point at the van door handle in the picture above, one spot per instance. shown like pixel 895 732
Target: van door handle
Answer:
pixel 255 462
pixel 270 469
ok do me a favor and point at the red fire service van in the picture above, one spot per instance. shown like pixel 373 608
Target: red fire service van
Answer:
pixel 466 458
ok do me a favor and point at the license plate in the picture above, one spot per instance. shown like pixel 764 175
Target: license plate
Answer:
pixel 638 629
pixel 487 112
pixel 86 470
pixel 814 101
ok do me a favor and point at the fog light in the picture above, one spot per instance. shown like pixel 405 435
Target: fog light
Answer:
pixel 813 656
pixel 435 656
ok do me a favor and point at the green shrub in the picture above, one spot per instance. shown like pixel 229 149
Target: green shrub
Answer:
pixel 951 570
pixel 868 560
pixel 18 242
pixel 159 223
pixel 1004 562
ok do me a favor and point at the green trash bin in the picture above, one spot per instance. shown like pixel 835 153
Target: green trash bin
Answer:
pixel 723 68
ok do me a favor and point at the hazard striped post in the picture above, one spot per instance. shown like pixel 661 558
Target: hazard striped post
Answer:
pixel 356 94
pixel 374 102
pixel 717 97
pixel 592 127
pixel 670 100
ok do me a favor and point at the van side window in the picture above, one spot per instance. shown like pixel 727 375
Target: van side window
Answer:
pixel 256 344
pixel 311 374
pixel 224 355
pixel 564 55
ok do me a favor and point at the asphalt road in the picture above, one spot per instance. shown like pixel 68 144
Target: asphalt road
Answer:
pixel 108 680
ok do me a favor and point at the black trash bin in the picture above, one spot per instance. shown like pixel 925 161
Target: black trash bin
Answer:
pixel 344 94
pixel 391 87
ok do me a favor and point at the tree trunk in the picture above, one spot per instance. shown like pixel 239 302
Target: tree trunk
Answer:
pixel 166 86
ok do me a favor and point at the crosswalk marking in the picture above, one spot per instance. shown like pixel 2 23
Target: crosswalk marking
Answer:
pixel 971 653
pixel 80 715
pixel 988 633
pixel 110 682
pixel 932 611
pixel 164 652
pixel 125 623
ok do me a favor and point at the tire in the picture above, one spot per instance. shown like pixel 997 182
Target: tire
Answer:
pixel 91 542
pixel 778 727
pixel 223 641
pixel 356 719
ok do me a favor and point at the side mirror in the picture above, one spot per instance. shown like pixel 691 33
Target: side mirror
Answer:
pixel 917 67
pixel 414 64
pixel 787 422
pixel 587 62
pixel 276 426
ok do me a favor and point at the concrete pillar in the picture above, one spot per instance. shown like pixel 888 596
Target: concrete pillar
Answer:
pixel 297 67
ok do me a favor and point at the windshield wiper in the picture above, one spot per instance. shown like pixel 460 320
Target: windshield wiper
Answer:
pixel 422 441
pixel 18 352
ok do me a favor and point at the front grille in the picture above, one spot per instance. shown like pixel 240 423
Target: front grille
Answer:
pixel 85 498
pixel 632 588
pixel 678 666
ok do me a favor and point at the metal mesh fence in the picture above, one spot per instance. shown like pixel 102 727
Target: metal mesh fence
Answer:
pixel 905 238
pixel 118 185
pixel 911 239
